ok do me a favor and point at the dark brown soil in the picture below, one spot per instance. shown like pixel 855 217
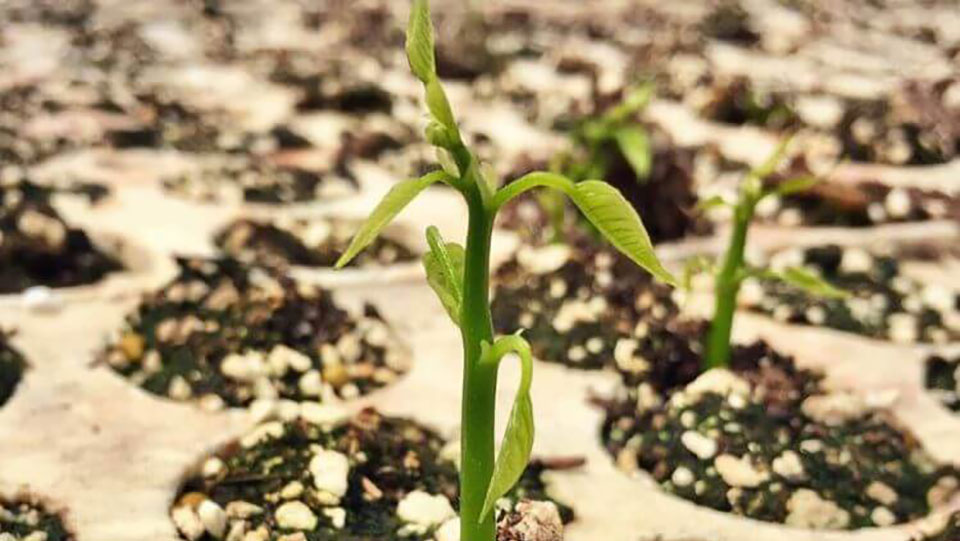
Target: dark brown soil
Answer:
pixel 864 205
pixel 912 128
pixel 388 459
pixel 38 248
pixel 943 379
pixel 730 22
pixel 577 308
pixel 25 518
pixel 226 333
pixel 738 102
pixel 312 243
pixel 666 201
pixel 12 365
pixel 762 448
pixel 256 180
pixel 880 132
pixel 883 303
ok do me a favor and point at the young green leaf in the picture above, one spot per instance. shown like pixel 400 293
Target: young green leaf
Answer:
pixel 635 99
pixel 420 48
pixel 446 161
pixel 517 441
pixel 439 106
pixel 770 165
pixel 795 185
pixel 444 267
pixel 439 135
pixel 613 216
pixel 811 283
pixel 606 209
pixel 396 199
pixel 635 147
pixel 716 201
pixel 800 278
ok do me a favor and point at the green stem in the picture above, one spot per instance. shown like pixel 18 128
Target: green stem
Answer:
pixel 479 379
pixel 725 292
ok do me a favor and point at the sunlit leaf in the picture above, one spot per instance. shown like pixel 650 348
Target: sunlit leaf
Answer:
pixel 613 216
pixel 396 199
pixel 635 146
pixel 605 208
pixel 420 48
pixel 444 267
pixel 517 441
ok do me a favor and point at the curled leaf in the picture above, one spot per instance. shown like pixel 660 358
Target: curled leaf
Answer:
pixel 444 267
pixel 517 441
pixel 439 106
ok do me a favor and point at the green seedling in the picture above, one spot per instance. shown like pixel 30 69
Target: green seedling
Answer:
pixel 460 277
pixel 734 269
pixel 593 141
pixel 617 127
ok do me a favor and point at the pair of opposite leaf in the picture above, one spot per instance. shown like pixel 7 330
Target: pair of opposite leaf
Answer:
pixel 751 192
pixel 600 203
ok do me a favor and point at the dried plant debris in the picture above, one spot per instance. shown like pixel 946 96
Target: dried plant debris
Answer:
pixel 580 304
pixel 227 334
pixel 309 242
pixel 25 519
pixel 942 528
pixel 256 180
pixel 943 380
pixel 12 366
pixel 768 441
pixel 38 248
pixel 319 475
pixel 883 303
